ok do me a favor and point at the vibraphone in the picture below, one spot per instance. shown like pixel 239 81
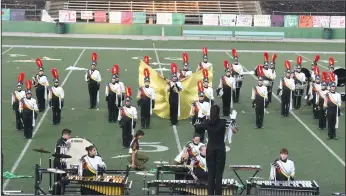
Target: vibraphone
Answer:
pixel 284 187
pixel 104 185
pixel 229 186
pixel 255 168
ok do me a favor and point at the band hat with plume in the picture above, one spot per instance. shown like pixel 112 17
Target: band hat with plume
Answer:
pixel 128 94
pixel 288 66
pixel 316 59
pixel 39 64
pixel 28 86
pixel 200 89
pixel 331 62
pixel 260 72
pixel 146 74
pixel 20 78
pixel 185 59
pixel 274 56
pixel 205 52
pixel 234 55
pixel 94 58
pixel 227 66
pixel 174 70
pixel 55 75
pixel 205 75
pixel 146 60
pixel 115 71
pixel 266 58
pixel 299 61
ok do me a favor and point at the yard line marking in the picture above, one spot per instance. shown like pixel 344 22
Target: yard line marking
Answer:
pixel 312 60
pixel 7 50
pixel 15 166
pixel 157 58
pixel 171 49
pixel 305 126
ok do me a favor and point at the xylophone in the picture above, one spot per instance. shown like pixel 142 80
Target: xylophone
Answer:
pixel 104 185
pixel 285 187
pixel 229 186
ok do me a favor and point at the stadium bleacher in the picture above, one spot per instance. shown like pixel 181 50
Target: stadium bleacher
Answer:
pixel 32 8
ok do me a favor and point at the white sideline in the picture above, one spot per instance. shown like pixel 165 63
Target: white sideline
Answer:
pixel 172 49
pixel 16 164
pixel 305 126
pixel 7 50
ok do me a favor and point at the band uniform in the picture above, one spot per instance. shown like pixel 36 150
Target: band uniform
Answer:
pixel 16 98
pixel 56 97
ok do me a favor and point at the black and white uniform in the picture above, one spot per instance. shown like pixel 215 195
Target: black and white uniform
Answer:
pixel 259 97
pixel 56 101
pixel 228 86
pixel 41 83
pixel 209 95
pixel 333 103
pixel 16 97
pixel 127 118
pixel 174 101
pixel 199 167
pixel 28 109
pixel 61 147
pixel 314 89
pixel 93 77
pixel 184 74
pixel 200 111
pixel 299 80
pixel 237 74
pixel 114 96
pixel 203 65
pixel 320 96
pixel 282 170
pixel 268 81
pixel 286 88
pixel 147 103
pixel 90 166
pixel 192 149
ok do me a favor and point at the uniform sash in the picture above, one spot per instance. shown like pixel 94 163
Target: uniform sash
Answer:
pixel 286 83
pixel 201 108
pixel 144 92
pixel 262 95
pixel 15 97
pixel 89 166
pixel 31 107
pixel 93 77
pixel 298 76
pixel 230 85
pixel 330 98
pixel 129 115
pixel 207 95
pixel 56 94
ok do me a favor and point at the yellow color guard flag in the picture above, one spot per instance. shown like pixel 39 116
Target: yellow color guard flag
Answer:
pixel 187 96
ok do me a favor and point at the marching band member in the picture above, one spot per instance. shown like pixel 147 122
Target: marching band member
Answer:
pixel 226 88
pixel 56 97
pixel 127 119
pixel 146 60
pixel 269 76
pixel 208 90
pixel 28 109
pixel 312 78
pixel 191 149
pixel 200 111
pixel 17 97
pixel 93 77
pixel 282 169
pixel 137 159
pixel 300 82
pixel 185 72
pixel 205 64
pixel 272 67
pixel 332 103
pixel 41 83
pixel 285 89
pixel 199 164
pixel 259 97
pixel 332 76
pixel 146 100
pixel 315 87
pixel 237 74
pixel 320 96
pixel 174 86
pixel 115 94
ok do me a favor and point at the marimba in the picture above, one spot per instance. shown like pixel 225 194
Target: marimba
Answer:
pixel 299 187
pixel 255 168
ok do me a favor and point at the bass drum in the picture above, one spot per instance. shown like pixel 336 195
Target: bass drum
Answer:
pixel 76 151
pixel 307 73
pixel 341 73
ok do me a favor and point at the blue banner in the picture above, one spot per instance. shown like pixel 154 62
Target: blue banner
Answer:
pixel 5 14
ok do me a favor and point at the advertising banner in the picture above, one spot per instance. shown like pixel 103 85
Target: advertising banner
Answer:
pixel 277 20
pixel 139 18
pixel 5 14
pixel 178 18
pixel 321 21
pixel 337 22
pixel 291 21
pixel 86 15
pixel 244 21
pixel 262 20
pixel 100 16
pixel 305 21
pixel 115 17
pixel 126 17
pixel 211 19
pixel 164 18
pixel 17 14
pixel 67 16
pixel 228 19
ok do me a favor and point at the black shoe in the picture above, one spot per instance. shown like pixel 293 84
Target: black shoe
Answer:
pixel 17 130
pixel 256 127
pixel 54 123
pixel 124 147
pixel 109 121
pixel 335 138
pixel 329 138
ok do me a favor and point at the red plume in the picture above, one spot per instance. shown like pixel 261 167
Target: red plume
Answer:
pixel 332 76
pixel 287 65
pixel 174 68
pixel 259 69
pixel 146 60
pixel 21 77
pixel 39 63
pixel 185 57
pixel 146 73
pixel 299 60
pixel 226 64
pixel 200 86
pixel 316 71
pixel 331 61
pixel 317 58
pixel 325 76
pixel 55 73
pixel 274 57
pixel 266 58
pixel 234 53
pixel 128 92
pixel 28 84
pixel 205 73
pixel 115 69
pixel 205 50
pixel 94 57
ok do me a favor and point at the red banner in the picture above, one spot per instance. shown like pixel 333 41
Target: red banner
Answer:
pixel 126 17
pixel 100 16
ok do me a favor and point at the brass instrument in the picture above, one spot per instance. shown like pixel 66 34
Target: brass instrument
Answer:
pixel 299 187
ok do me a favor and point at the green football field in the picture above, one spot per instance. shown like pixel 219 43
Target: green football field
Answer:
pixel 315 157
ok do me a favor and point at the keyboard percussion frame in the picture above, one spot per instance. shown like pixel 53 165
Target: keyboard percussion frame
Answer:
pixel 235 168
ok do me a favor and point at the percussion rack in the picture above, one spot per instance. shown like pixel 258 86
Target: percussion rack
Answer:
pixel 164 169
pixel 256 168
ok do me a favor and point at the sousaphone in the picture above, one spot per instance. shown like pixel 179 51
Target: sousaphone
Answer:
pixel 306 73
pixel 341 73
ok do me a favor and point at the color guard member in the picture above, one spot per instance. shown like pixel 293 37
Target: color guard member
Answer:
pixel 17 97
pixel 56 98
pixel 146 100
pixel 93 77
pixel 285 89
pixel 41 83
pixel 282 169
pixel 259 97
